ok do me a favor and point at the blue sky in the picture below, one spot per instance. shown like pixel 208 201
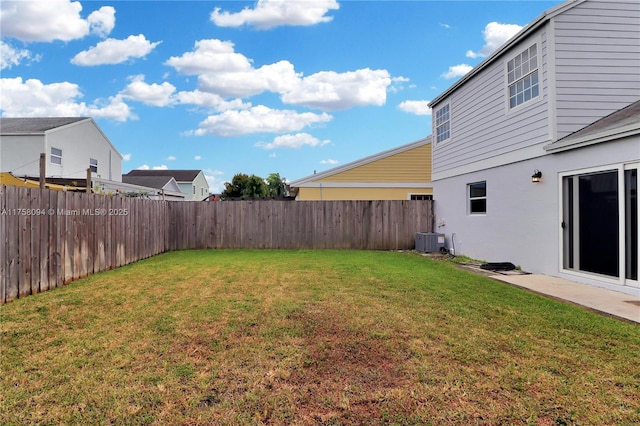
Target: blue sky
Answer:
pixel 273 86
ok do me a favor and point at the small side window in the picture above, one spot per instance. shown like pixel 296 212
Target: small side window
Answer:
pixel 477 195
pixel 56 156
pixel 93 165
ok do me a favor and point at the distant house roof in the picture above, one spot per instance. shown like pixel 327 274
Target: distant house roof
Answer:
pixel 34 125
pixel 622 123
pixel 158 182
pixel 179 175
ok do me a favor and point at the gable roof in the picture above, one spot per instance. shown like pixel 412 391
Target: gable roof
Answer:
pixel 34 125
pixel 545 17
pixel 622 123
pixel 361 162
pixel 178 175
pixel 157 182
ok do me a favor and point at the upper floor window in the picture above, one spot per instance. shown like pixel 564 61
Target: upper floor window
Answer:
pixel 93 165
pixel 442 124
pixel 194 190
pixel 477 193
pixel 522 77
pixel 56 156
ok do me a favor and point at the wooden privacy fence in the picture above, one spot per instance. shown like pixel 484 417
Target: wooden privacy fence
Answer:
pixel 270 224
pixel 50 238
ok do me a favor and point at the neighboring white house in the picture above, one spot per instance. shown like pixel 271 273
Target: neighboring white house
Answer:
pixel 71 145
pixel 191 182
pixel 166 187
pixel 557 104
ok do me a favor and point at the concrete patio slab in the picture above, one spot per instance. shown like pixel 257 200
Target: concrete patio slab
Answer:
pixel 606 301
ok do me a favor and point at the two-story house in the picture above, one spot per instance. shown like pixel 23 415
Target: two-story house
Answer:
pixel 191 182
pixel 71 145
pixel 536 151
pixel 395 174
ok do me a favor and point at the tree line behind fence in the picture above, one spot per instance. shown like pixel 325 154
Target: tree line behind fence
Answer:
pixel 50 238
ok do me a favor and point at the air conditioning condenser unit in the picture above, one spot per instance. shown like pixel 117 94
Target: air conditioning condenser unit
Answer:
pixel 429 242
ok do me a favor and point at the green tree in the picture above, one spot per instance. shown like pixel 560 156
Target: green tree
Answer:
pixel 244 186
pixel 276 187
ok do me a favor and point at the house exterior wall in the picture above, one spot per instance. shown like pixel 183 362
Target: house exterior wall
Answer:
pixel 78 141
pixel 597 58
pixel 395 177
pixel 201 188
pixel 371 193
pixel 407 166
pixel 522 223
pixel 20 155
pixel 484 131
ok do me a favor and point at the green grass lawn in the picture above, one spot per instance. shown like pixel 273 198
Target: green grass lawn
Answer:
pixel 310 338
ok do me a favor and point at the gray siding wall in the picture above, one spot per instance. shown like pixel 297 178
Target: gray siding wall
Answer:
pixel 597 61
pixel 482 126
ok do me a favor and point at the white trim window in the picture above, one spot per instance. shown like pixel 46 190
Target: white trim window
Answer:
pixel 443 128
pixel 522 77
pixel 421 197
pixel 93 165
pixel 477 196
pixel 56 156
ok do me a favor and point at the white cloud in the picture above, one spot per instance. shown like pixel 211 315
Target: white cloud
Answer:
pixel 258 119
pixel 126 157
pixel 150 94
pixel 112 51
pixel 32 98
pixel 495 35
pixel 102 21
pixel 456 71
pixel 146 167
pixel 52 20
pixel 171 158
pixel 415 107
pixel 329 161
pixel 222 71
pixel 210 56
pixel 295 141
pixel 197 158
pixel 273 13
pixel 332 91
pixel 212 100
pixel 278 78
pixel 216 185
pixel 10 56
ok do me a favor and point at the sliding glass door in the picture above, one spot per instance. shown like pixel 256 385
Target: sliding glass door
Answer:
pixel 600 223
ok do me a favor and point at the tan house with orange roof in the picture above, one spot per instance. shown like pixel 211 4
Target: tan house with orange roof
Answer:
pixel 402 173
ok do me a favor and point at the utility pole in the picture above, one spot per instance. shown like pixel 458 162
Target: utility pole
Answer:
pixel 43 168
pixel 89 180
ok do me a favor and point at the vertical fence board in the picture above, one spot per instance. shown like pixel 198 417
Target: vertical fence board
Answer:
pixel 24 222
pixel 4 255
